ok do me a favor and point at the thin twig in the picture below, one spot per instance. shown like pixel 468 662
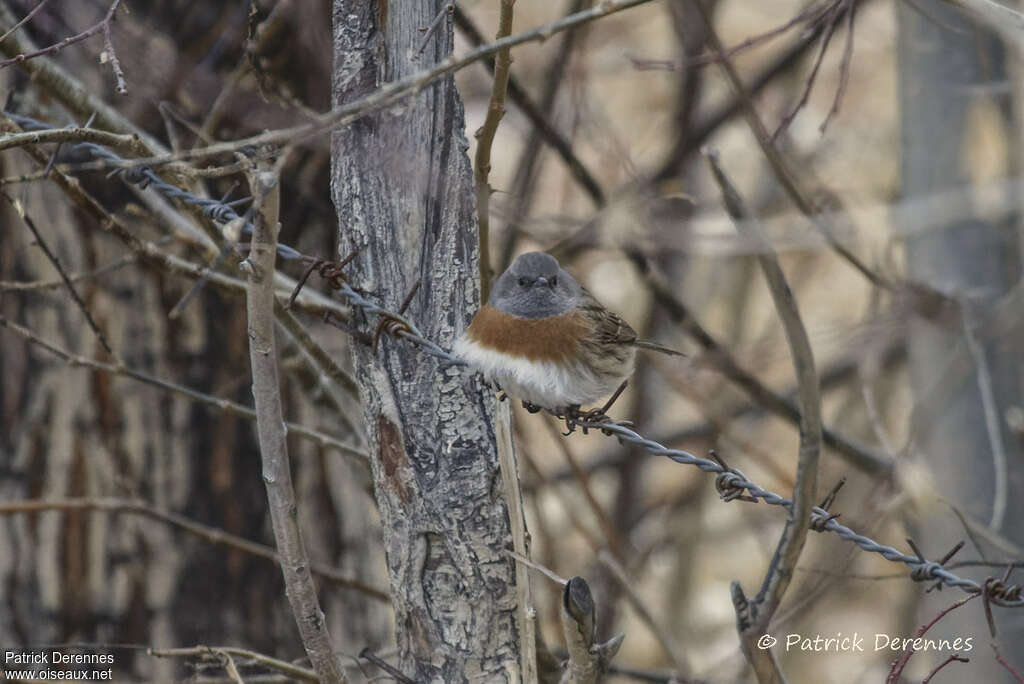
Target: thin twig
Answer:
pixel 208 533
pixel 103 25
pixel 126 141
pixel 783 173
pixel 79 302
pixel 547 572
pixel 844 66
pixel 386 666
pixel 832 20
pixel 668 644
pixel 444 13
pixel 37 285
pixel 955 657
pixel 485 138
pixel 896 671
pixel 526 613
pixel 28 18
pixel 1009 668
pixel 214 652
pixel 389 93
pixel 111 55
pixel 990 409
pixel 754 616
pixel 266 390
pixel 225 405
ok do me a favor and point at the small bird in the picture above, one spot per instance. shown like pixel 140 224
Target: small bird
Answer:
pixel 542 338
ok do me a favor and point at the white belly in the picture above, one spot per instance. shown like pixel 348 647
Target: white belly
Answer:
pixel 547 384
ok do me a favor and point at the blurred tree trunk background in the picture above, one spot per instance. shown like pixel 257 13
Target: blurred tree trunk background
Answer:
pixel 95 578
pixel 960 131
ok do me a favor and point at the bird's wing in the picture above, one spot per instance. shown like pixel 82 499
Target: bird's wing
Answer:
pixel 610 328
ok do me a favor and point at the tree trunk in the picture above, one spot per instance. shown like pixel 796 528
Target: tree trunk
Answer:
pixel 948 109
pixel 402 187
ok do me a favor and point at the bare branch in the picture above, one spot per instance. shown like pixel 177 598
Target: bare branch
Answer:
pixel 36 285
pixel 785 175
pixel 218 652
pixel 955 657
pixel 587 660
pixel 79 302
pixel 665 640
pixel 525 611
pixel 299 587
pixel 25 20
pixel 127 141
pixel 225 405
pixel 109 54
pixel 381 98
pixel 213 535
pixel 485 138
pixel 103 25
pixel 1009 668
pixel 993 422
pixel 1005 20
pixel 754 617
pixel 900 663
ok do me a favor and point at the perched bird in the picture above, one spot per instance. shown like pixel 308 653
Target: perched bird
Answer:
pixel 542 338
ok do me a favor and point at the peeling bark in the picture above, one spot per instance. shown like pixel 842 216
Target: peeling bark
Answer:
pixel 403 190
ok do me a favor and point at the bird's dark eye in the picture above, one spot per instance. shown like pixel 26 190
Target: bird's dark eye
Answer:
pixel 523 282
pixel 553 281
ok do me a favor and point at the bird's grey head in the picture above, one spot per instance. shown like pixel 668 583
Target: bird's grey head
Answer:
pixel 534 286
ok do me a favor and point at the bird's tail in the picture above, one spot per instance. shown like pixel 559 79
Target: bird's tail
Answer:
pixel 643 344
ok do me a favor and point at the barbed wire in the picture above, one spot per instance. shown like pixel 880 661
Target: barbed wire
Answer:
pixel 730 483
pixel 221 211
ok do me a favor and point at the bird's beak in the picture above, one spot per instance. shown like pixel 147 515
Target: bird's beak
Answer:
pixel 541 280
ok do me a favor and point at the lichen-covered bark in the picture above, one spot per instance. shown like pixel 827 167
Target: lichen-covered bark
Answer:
pixel 402 187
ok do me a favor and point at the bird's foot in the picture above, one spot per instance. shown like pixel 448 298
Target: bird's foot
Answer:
pixel 532 408
pixel 575 417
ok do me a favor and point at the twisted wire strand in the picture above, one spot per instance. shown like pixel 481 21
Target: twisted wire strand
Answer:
pixel 144 177
pixel 730 483
pixel 821 519
pixel 406 329
pixel 921 571
pixel 224 212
